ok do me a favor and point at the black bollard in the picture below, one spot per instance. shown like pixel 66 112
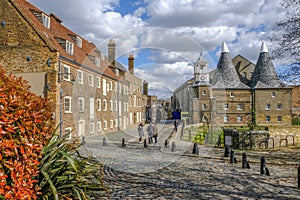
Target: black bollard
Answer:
pixel 166 143
pixel 262 165
pixel 83 140
pixel 173 147
pixel 103 142
pixel 195 149
pixel 248 165
pixel 145 144
pixel 232 156
pixel 244 160
pixel 123 142
pixel 298 177
pixel 226 153
pixel 267 172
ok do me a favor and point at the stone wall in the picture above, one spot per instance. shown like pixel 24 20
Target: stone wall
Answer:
pixel 281 132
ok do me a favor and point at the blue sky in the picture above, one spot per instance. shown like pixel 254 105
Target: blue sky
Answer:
pixel 166 35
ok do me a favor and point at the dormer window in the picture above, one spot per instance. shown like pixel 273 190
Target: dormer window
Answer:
pixel 79 42
pixel 46 21
pixel 69 47
pixel 97 62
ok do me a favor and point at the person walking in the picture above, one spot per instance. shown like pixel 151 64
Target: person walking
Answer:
pixel 141 132
pixel 150 133
pixel 155 133
pixel 175 125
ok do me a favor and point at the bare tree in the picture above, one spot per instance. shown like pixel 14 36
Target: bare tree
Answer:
pixel 287 37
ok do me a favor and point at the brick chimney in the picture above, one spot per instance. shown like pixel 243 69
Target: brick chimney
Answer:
pixel 145 88
pixel 131 63
pixel 112 51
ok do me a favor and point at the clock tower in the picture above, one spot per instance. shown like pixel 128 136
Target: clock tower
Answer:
pixel 201 70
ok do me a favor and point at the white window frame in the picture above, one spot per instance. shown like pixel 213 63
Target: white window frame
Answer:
pixel 268 118
pixel 111 123
pixel 226 118
pixel 203 92
pixel 116 105
pixel 231 94
pixel 279 118
pixel 92 108
pixel 98 80
pixel 69 110
pixel 273 94
pixel 79 41
pixel 239 106
pixel 111 105
pixel 204 106
pixel 104 125
pixel 104 101
pixel 92 127
pixel 104 86
pixel 99 126
pixel 268 106
pixel 80 77
pixel 226 106
pixel 67 73
pixel 68 130
pixel 239 118
pixel 98 104
pixel 116 87
pixel 46 21
pixel 110 86
pixel 69 47
pixel 91 80
pixel 279 106
pixel 97 62
pixel 120 88
pixel 81 104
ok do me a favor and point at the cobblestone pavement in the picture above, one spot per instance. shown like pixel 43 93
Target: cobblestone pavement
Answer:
pixel 157 172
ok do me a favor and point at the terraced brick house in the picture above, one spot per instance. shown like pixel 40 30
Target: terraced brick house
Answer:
pixel 88 90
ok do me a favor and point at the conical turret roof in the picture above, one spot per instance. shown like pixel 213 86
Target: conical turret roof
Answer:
pixel 226 73
pixel 264 71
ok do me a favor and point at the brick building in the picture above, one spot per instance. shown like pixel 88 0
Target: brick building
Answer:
pixel 90 91
pixel 237 93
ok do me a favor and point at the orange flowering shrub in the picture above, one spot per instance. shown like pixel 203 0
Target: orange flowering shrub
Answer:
pixel 25 127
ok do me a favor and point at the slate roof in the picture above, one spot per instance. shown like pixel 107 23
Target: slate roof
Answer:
pixel 59 31
pixel 226 75
pixel 264 74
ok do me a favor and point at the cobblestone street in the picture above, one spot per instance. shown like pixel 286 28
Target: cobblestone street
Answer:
pixel 156 172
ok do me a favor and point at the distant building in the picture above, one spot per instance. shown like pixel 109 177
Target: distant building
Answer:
pixel 237 93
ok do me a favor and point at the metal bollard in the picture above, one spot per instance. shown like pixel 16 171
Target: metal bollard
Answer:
pixel 232 156
pixel 262 165
pixel 83 140
pixel 103 142
pixel 145 144
pixel 244 160
pixel 166 143
pixel 123 142
pixel 226 153
pixel 298 177
pixel 173 147
pixel 195 149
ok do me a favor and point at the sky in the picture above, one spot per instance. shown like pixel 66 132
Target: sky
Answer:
pixel 166 35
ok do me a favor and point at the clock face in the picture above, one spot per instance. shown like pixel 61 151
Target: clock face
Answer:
pixel 202 78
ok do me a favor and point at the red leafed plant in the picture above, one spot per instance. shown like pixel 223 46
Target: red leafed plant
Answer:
pixel 25 127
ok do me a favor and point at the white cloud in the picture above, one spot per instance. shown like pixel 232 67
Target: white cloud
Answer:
pixel 175 30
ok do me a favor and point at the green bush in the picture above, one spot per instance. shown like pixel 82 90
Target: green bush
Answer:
pixel 66 174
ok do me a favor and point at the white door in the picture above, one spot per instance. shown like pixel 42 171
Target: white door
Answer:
pixel 81 128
